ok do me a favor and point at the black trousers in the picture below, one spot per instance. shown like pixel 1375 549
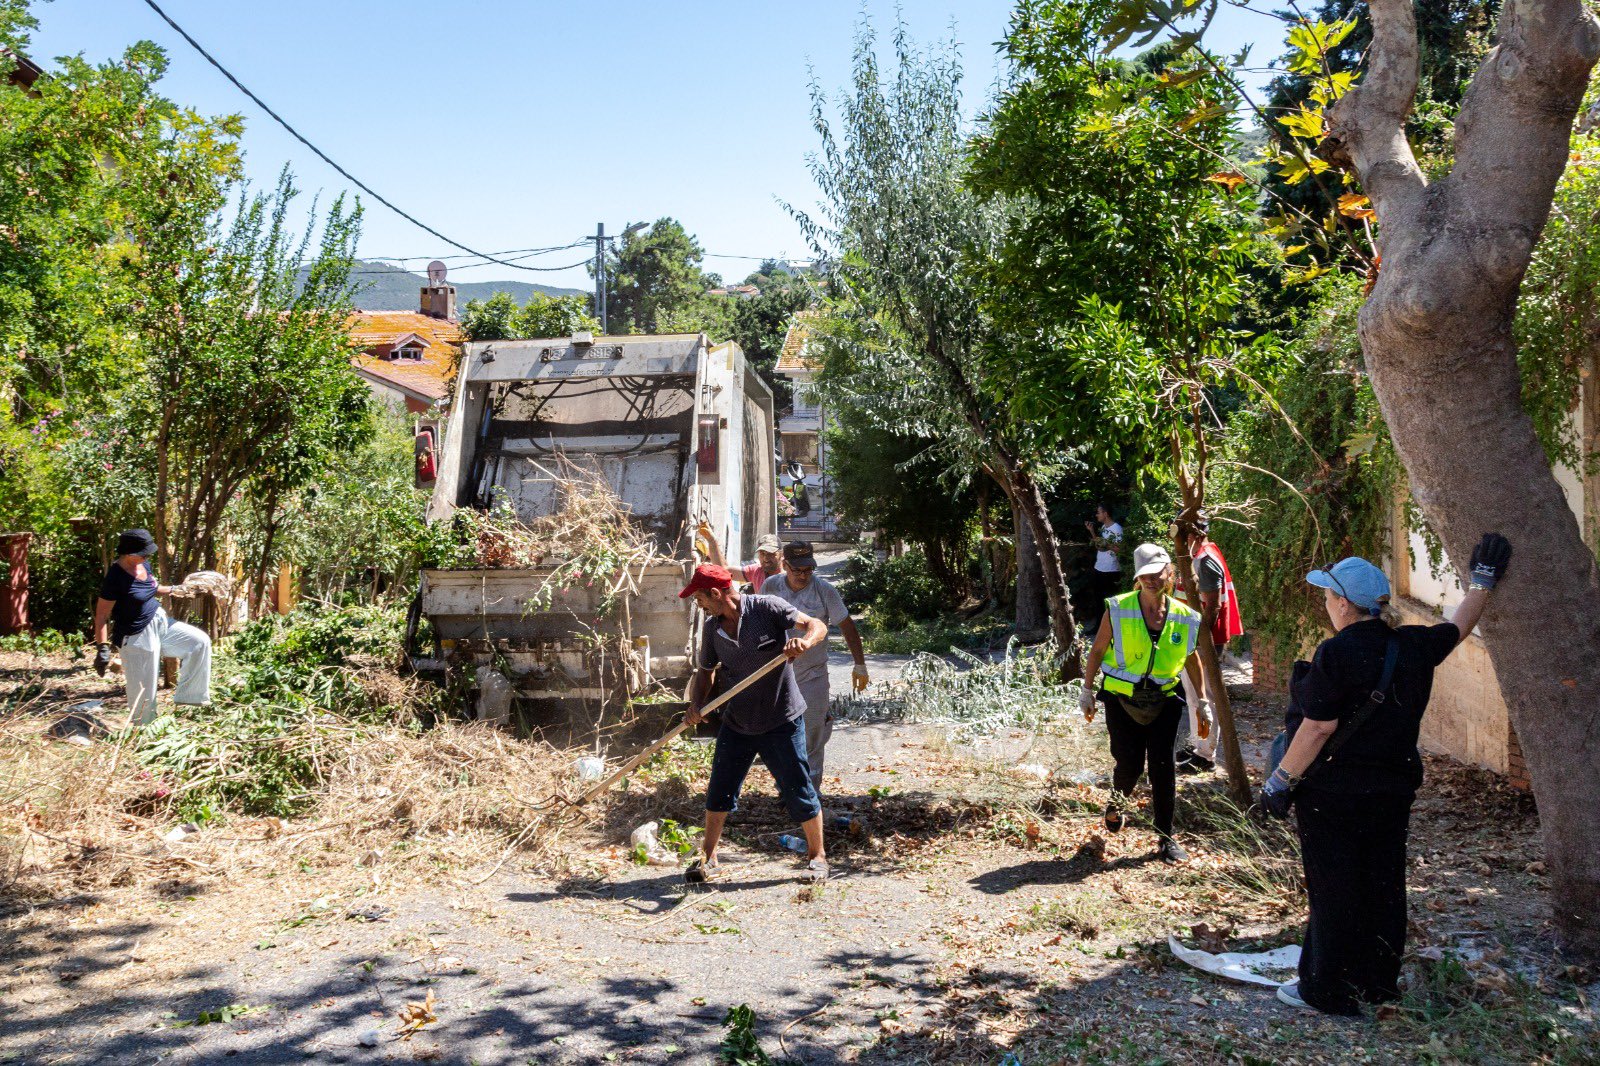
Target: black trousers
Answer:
pixel 1354 849
pixel 1103 584
pixel 1134 747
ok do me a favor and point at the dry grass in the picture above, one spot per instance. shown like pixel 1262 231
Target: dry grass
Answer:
pixel 458 800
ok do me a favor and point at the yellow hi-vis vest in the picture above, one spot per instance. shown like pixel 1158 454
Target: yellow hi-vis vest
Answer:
pixel 1133 659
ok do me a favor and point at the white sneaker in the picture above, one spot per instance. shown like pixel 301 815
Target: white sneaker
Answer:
pixel 1289 992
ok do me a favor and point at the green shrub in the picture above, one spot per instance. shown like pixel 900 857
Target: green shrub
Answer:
pixel 898 592
pixel 288 689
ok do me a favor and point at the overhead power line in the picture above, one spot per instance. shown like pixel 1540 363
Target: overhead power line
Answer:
pixel 320 154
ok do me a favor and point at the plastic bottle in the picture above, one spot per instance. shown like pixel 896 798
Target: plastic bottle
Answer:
pixel 793 843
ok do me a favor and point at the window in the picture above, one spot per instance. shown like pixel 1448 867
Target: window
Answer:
pixel 805 400
pixel 408 353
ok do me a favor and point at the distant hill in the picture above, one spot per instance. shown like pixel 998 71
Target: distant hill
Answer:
pixel 381 287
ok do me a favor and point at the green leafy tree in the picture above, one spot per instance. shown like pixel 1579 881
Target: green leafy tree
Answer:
pixel 654 281
pixel 554 316
pixel 91 156
pixel 248 388
pixel 906 333
pixel 898 486
pixel 492 319
pixel 1439 341
pixel 1117 288
pixel 499 317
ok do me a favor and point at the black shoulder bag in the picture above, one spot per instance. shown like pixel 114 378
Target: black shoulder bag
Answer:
pixel 1375 699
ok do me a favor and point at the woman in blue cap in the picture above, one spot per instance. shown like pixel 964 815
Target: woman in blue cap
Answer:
pixel 1352 770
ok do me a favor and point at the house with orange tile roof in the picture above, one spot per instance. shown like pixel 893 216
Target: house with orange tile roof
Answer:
pixel 800 430
pixel 408 359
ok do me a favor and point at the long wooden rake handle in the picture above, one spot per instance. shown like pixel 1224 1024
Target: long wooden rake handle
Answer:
pixel 633 763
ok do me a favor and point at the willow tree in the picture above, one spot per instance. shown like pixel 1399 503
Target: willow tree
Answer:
pixel 902 229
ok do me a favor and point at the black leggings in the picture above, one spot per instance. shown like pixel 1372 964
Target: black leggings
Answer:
pixel 1133 746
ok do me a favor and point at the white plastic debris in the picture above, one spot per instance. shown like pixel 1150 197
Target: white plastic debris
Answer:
pixel 1088 777
pixel 1270 968
pixel 494 696
pixel 589 768
pixel 648 837
pixel 1032 769
pixel 370 1038
pixel 180 833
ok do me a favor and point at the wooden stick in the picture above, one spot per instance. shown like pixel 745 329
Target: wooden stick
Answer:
pixel 633 763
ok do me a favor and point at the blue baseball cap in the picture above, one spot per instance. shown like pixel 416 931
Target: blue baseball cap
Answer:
pixel 1356 580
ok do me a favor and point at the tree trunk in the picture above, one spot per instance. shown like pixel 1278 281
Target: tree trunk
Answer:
pixel 1437 337
pixel 1033 611
pixel 1036 514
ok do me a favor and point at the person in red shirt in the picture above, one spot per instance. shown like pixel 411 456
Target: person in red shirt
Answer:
pixel 767 563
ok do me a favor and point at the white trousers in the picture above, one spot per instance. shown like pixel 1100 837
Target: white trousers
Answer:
pixel 141 665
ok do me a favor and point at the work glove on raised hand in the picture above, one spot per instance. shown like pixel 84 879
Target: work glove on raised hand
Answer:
pixel 102 658
pixel 859 679
pixel 1490 560
pixel 1086 702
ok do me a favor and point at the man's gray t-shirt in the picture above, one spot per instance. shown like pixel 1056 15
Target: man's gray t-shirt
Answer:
pixel 764 623
pixel 1208 574
pixel 819 599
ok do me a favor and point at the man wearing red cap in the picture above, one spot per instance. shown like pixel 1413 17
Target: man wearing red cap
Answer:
pixel 744 632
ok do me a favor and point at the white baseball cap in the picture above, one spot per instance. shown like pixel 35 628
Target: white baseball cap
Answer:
pixel 1150 559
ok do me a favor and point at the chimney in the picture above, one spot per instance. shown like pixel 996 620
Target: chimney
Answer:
pixel 439 301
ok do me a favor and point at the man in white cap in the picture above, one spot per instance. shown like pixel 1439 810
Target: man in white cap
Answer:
pixel 799 586
pixel 767 563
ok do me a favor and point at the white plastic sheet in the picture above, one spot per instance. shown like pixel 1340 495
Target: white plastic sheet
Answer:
pixel 1270 968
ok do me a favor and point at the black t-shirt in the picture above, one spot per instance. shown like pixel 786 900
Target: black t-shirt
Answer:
pixel 135 601
pixel 1381 756
pixel 764 624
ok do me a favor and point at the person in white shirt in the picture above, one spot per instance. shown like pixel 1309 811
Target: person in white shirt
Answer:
pixel 1106 578
pixel 811 595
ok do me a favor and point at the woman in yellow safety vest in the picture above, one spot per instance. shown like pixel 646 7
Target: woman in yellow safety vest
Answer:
pixel 1151 637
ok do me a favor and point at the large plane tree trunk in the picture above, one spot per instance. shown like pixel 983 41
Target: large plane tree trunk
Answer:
pixel 1437 337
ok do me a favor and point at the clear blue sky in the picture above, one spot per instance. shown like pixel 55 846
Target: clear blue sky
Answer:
pixel 512 125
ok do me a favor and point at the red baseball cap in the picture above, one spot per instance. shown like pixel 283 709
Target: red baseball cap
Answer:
pixel 707 576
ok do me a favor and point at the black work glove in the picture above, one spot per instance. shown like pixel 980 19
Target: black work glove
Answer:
pixel 1490 560
pixel 1273 803
pixel 102 658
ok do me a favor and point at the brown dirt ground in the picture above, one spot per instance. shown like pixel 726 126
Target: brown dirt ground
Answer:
pixel 975 915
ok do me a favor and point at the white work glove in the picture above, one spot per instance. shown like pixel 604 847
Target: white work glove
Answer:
pixel 1086 702
pixel 859 679
pixel 1203 717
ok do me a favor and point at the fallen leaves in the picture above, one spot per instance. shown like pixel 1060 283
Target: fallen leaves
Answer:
pixel 414 1016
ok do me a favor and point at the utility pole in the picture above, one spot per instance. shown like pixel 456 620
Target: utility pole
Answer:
pixel 600 274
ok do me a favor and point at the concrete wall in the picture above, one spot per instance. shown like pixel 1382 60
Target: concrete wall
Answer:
pixel 1466 718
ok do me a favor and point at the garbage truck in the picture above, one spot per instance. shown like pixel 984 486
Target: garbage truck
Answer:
pixel 680 429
